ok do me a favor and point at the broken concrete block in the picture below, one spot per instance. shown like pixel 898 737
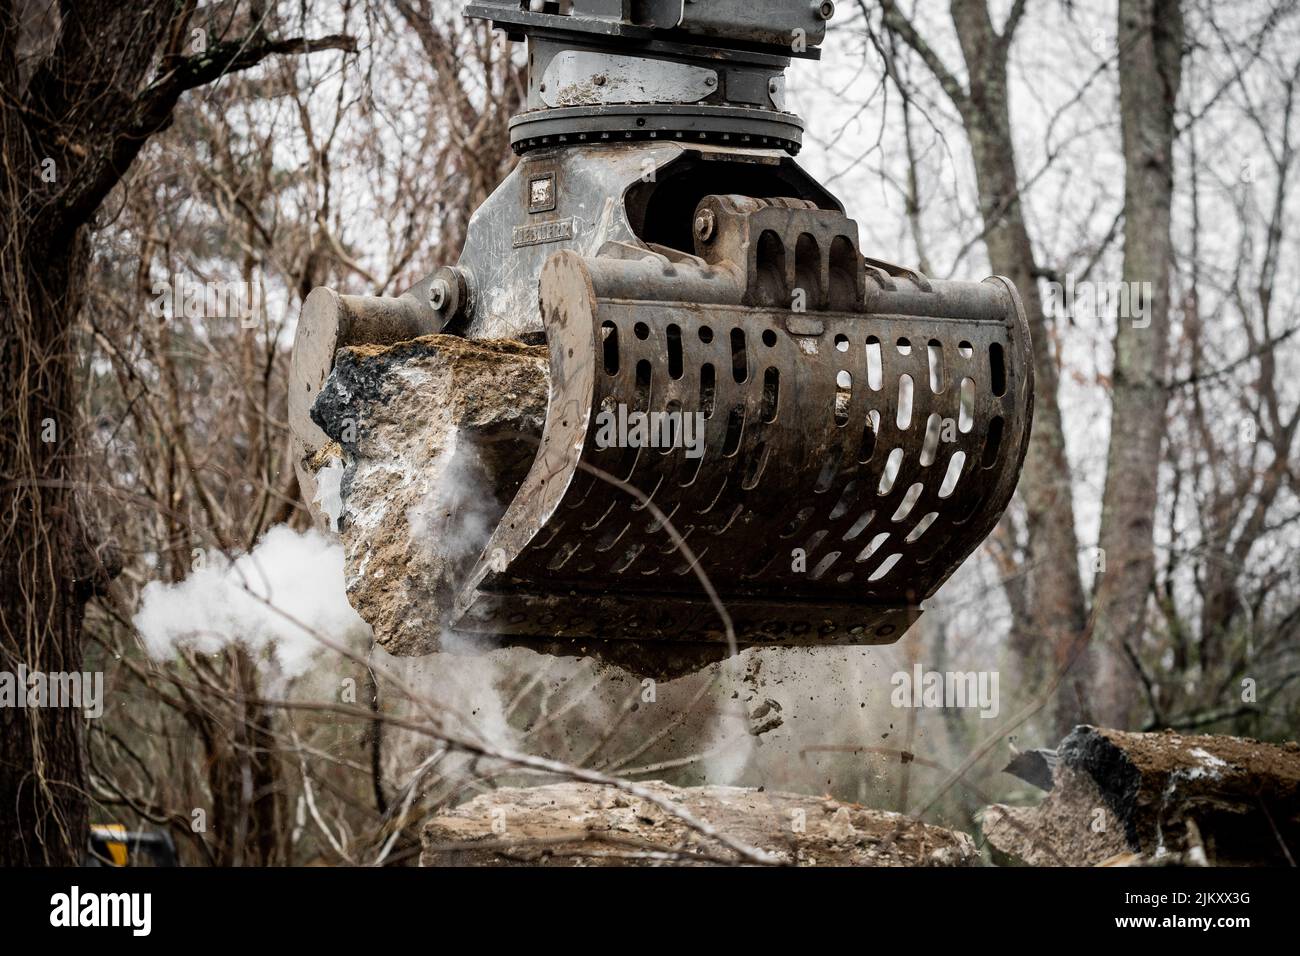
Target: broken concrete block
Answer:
pixel 1071 827
pixel 1167 797
pixel 583 824
pixel 425 443
pixel 435 436
pixel 1034 766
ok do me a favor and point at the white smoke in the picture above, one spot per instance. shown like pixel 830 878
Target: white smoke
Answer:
pixel 455 518
pixel 275 599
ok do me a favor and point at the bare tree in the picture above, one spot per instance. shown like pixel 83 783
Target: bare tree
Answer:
pixel 1151 41
pixel 1054 604
pixel 86 85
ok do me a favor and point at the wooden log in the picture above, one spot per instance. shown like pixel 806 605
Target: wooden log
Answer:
pixel 583 824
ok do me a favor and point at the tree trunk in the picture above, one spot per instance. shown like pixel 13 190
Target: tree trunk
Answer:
pixel 1150 69
pixel 85 86
pixel 244 778
pixel 1055 621
pixel 1056 603
pixel 45 570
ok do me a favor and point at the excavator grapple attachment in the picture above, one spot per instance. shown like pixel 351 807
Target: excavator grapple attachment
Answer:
pixel 830 437
pixel 755 432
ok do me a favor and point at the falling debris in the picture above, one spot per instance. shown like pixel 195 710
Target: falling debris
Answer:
pixel 765 716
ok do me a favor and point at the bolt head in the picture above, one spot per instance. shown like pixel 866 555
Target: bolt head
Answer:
pixel 704 224
pixel 439 293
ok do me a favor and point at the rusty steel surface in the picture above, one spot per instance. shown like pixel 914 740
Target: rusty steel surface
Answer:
pixel 854 452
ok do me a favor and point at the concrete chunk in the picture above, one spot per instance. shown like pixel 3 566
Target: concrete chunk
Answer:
pixel 435 434
pixel 1161 797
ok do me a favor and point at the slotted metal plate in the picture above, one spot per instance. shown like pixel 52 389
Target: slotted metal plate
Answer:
pixel 845 472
